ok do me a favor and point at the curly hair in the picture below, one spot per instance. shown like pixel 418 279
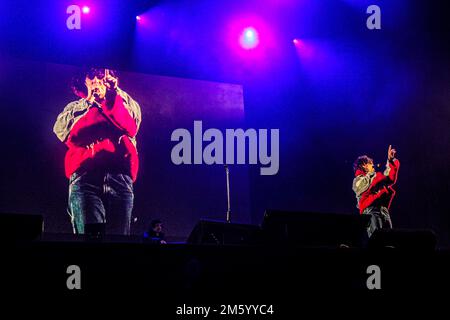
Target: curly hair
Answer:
pixel 154 222
pixel 99 73
pixel 360 162
pixel 78 81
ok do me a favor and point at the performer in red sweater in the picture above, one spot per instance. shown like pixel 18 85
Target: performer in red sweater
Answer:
pixel 374 190
pixel 101 162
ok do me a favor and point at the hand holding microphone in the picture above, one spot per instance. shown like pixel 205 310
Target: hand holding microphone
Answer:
pixel 100 85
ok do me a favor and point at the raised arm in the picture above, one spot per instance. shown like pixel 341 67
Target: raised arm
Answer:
pixel 123 112
pixel 392 166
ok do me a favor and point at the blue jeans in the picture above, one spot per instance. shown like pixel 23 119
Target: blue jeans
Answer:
pixel 101 199
pixel 379 219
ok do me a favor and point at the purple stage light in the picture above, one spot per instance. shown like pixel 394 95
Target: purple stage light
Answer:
pixel 138 18
pixel 86 9
pixel 250 34
pixel 296 41
pixel 249 38
pixel 252 39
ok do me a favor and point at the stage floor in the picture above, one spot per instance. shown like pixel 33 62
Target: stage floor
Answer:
pixel 269 274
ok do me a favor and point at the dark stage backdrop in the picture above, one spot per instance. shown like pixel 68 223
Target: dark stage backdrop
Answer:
pixel 32 171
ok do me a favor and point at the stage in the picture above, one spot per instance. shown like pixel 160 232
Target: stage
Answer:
pixel 182 275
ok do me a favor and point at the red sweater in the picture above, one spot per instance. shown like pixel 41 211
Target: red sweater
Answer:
pixel 101 140
pixel 380 191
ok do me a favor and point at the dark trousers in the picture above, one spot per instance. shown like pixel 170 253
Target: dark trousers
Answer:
pixel 379 219
pixel 104 200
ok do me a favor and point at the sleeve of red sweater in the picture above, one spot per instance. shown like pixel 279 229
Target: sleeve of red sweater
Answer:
pixel 77 155
pixel 123 112
pixel 389 175
pixel 368 198
pixel 392 172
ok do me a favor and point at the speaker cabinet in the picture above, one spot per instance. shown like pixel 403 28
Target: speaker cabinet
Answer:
pixel 20 227
pixel 223 233
pixel 405 239
pixel 312 229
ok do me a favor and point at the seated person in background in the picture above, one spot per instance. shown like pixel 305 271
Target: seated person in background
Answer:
pixel 154 233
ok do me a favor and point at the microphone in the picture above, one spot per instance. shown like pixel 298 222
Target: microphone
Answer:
pixel 97 105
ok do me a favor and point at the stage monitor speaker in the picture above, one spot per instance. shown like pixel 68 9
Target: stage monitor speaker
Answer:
pixel 20 227
pixel 314 229
pixel 223 233
pixel 412 239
